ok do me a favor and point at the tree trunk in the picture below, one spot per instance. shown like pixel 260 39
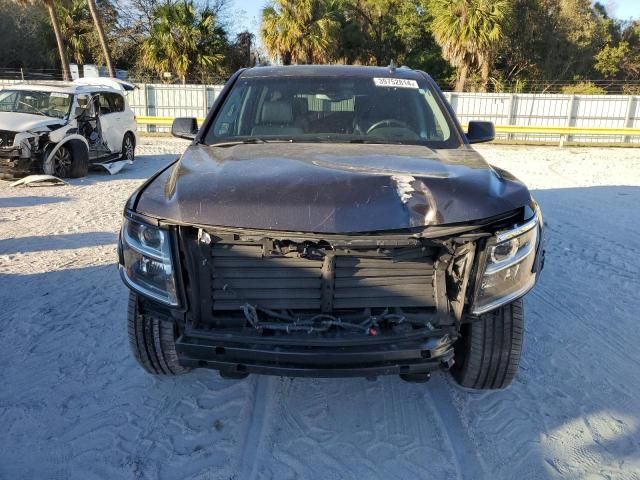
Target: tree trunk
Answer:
pixel 103 43
pixel 485 69
pixel 66 74
pixel 462 78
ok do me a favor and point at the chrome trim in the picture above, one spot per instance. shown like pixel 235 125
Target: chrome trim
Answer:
pixel 505 235
pixel 507 299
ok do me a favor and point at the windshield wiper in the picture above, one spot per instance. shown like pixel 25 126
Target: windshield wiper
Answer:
pixel 376 142
pixel 249 141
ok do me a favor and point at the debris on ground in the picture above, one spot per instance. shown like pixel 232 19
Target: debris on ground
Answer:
pixel 39 181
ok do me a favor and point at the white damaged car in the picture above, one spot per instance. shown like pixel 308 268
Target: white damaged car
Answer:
pixel 61 129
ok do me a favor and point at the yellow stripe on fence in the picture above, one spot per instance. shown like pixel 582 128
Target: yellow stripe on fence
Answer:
pixel 533 129
pixel 566 130
pixel 159 120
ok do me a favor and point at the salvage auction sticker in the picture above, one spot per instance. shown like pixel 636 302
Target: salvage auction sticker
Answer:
pixel 395 82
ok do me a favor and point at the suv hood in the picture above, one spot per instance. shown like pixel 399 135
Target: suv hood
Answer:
pixel 23 122
pixel 329 188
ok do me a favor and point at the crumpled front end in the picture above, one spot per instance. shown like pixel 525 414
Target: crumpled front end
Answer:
pixel 20 153
pixel 297 304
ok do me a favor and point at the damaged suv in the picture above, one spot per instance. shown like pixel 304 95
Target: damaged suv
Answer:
pixel 61 129
pixel 331 221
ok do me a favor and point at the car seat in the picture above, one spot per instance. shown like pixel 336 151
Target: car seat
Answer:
pixel 276 119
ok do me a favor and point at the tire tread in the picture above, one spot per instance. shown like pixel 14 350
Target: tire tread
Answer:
pixel 488 355
pixel 152 341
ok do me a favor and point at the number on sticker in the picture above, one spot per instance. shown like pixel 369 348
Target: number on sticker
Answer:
pixel 395 82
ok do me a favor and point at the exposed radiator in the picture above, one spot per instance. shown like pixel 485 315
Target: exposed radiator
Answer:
pixel 328 282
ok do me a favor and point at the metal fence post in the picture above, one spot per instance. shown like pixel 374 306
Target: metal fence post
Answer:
pixel 150 99
pixel 572 102
pixel 205 106
pixel 510 117
pixel 628 117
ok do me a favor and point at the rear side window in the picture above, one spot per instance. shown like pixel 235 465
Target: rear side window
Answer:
pixel 111 103
pixel 117 102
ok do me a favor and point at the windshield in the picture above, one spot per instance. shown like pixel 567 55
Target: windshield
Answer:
pixel 49 104
pixel 333 109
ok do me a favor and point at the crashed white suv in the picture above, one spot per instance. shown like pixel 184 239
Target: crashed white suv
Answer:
pixel 63 128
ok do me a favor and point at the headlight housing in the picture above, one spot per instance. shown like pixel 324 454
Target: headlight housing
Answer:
pixel 508 272
pixel 147 264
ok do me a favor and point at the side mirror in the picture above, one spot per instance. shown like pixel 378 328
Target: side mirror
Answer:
pixel 184 128
pixel 479 132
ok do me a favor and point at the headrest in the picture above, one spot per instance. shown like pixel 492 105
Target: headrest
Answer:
pixel 58 102
pixel 300 105
pixel 277 112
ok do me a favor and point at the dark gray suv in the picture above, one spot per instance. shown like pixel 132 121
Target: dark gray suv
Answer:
pixel 331 221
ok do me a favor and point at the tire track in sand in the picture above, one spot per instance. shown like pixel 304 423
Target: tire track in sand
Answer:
pixel 468 464
pixel 253 441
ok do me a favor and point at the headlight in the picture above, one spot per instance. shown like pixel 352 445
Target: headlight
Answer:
pixel 148 269
pixel 508 273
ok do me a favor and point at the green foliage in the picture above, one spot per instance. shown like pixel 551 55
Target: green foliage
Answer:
pixel 469 31
pixel 610 60
pixel 301 31
pixel 583 88
pixel 77 28
pixel 621 60
pixel 183 39
pixel 504 45
pixel 27 40
pixel 554 40
pixel 372 32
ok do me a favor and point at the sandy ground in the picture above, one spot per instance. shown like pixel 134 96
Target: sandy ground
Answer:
pixel 74 405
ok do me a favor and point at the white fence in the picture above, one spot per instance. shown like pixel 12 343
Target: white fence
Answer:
pixel 543 110
pixel 551 110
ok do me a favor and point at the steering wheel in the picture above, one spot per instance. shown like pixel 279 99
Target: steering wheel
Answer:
pixel 388 122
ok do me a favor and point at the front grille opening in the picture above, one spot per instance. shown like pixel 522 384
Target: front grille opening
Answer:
pixel 6 138
pixel 276 288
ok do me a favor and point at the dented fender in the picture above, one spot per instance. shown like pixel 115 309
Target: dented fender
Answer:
pixel 78 144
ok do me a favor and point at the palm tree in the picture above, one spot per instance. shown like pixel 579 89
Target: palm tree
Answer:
pixel 301 31
pixel 76 27
pixel 183 38
pixel 50 6
pixel 468 32
pixel 103 42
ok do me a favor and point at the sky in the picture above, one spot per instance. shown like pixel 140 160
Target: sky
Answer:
pixel 623 9
pixel 247 12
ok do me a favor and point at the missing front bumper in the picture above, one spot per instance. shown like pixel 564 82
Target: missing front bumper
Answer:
pixel 13 164
pixel 414 357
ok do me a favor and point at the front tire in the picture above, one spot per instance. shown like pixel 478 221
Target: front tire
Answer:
pixel 63 164
pixel 488 354
pixel 153 341
pixel 129 147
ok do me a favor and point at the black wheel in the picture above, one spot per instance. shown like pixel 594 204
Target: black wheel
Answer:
pixel 63 164
pixel 128 147
pixel 488 354
pixel 153 341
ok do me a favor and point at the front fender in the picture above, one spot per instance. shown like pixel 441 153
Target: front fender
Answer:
pixel 78 145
